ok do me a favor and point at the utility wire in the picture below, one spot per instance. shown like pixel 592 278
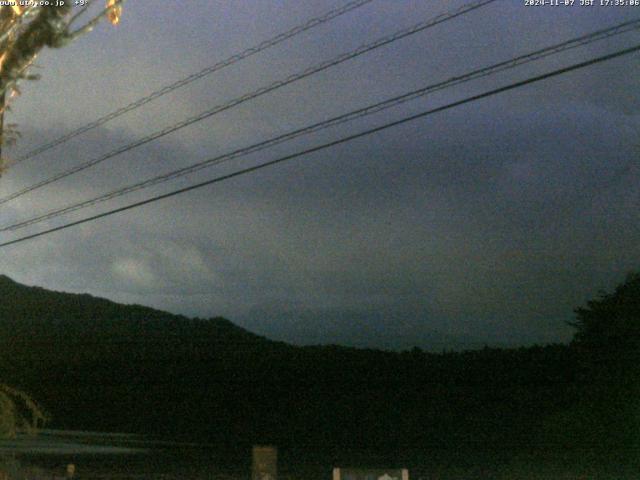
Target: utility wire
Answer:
pixel 314 22
pixel 261 91
pixel 324 146
pixel 362 112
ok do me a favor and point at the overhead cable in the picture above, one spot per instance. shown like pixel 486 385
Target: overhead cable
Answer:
pixel 257 93
pixel 314 22
pixel 362 112
pixel 325 146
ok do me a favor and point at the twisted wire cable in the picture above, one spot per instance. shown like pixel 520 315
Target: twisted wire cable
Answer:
pixel 257 93
pixel 340 141
pixel 314 22
pixel 347 117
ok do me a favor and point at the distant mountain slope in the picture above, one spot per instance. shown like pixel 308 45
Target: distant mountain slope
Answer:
pixel 35 311
pixel 91 361
pixel 96 364
pixel 360 329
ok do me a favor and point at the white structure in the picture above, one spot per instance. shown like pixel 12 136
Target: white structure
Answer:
pixel 370 474
pixel 265 463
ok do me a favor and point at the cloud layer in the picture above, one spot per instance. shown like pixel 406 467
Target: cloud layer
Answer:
pixel 484 224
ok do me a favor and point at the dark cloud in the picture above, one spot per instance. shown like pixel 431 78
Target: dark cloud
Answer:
pixel 487 223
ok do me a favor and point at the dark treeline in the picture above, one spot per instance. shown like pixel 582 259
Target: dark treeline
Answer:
pixel 97 365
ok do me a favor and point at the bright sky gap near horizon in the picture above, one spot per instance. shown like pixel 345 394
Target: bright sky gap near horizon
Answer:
pixel 502 215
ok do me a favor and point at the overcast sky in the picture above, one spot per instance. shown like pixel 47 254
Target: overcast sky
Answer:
pixel 484 224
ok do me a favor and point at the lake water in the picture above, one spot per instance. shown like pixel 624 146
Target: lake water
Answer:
pixel 102 456
pixel 116 456
pixel 127 457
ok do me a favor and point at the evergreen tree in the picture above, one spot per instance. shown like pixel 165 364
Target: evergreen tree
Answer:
pixel 607 340
pixel 608 328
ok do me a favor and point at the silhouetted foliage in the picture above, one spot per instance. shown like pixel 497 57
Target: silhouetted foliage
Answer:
pixel 26 28
pixel 603 421
pixel 608 328
pixel 99 365
pixel 18 412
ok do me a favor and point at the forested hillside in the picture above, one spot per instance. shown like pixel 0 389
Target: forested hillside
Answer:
pixel 95 364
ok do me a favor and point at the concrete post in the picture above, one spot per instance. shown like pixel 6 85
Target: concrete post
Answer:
pixel 265 463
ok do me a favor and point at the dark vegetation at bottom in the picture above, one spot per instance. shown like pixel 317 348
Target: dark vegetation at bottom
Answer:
pixel 97 365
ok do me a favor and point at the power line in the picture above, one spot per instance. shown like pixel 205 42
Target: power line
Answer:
pixel 362 112
pixel 314 22
pixel 261 91
pixel 324 146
